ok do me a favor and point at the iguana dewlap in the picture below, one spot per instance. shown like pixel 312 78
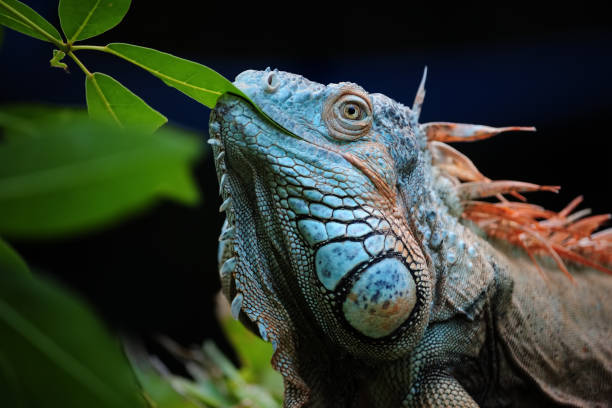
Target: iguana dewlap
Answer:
pixel 355 244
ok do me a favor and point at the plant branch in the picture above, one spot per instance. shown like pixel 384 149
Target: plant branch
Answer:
pixel 88 47
pixel 80 64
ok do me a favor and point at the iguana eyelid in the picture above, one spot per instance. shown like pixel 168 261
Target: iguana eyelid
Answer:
pixel 339 126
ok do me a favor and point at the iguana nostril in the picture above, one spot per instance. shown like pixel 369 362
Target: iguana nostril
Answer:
pixel 271 82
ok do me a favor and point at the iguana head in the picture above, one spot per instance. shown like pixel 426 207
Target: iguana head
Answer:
pixel 318 211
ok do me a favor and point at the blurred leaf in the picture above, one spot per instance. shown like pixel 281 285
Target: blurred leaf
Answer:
pixel 82 174
pixel 23 120
pixel 239 386
pixel 160 390
pixel 195 80
pixel 155 387
pixel 255 356
pixel 56 61
pixel 16 15
pixel 109 101
pixel 82 19
pixel 216 381
pixel 10 261
pixel 56 352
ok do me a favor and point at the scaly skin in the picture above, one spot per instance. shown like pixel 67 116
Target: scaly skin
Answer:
pixel 344 248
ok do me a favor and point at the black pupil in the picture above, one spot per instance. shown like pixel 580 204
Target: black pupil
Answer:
pixel 351 110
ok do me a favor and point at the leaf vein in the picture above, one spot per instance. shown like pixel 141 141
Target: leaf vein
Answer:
pixel 105 101
pixel 160 74
pixel 54 352
pixel 82 26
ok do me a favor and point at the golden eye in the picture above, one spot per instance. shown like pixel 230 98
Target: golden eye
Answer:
pixel 348 113
pixel 352 111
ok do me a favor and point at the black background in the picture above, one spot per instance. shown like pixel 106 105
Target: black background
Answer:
pixel 495 65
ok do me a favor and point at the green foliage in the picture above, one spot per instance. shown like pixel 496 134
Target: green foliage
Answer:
pixel 55 353
pixel 83 19
pixel 109 101
pixel 255 355
pixel 80 174
pixel 216 383
pixel 63 173
pixel 16 15
pixel 193 79
pixel 237 387
pixel 170 391
pixel 30 120
pixel 10 261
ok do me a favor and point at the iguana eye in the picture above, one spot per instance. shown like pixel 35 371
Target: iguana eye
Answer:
pixel 351 111
pixel 348 114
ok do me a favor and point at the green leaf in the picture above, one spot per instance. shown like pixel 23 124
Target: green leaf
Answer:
pixel 10 261
pixel 55 351
pixel 195 80
pixel 255 356
pixel 109 101
pixel 236 384
pixel 30 120
pixel 16 15
pixel 82 19
pixel 56 61
pixel 82 175
pixel 155 386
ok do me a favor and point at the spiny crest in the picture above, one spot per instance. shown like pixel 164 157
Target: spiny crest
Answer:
pixel 419 98
pixel 562 235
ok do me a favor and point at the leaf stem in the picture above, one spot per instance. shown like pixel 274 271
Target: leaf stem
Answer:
pixel 79 63
pixel 33 25
pixel 88 47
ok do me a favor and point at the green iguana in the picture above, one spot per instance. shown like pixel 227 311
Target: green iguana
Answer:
pixel 355 243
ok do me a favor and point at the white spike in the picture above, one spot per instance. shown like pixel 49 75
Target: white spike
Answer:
pixel 225 204
pixel 228 266
pixel 214 142
pixel 227 234
pixel 222 182
pixel 263 333
pixel 420 96
pixel 221 155
pixel 236 306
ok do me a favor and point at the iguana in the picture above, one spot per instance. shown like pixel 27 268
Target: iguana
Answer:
pixel 355 243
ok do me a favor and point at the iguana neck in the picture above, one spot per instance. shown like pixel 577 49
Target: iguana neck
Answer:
pixel 457 255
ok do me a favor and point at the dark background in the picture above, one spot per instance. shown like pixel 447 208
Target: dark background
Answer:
pixel 501 65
